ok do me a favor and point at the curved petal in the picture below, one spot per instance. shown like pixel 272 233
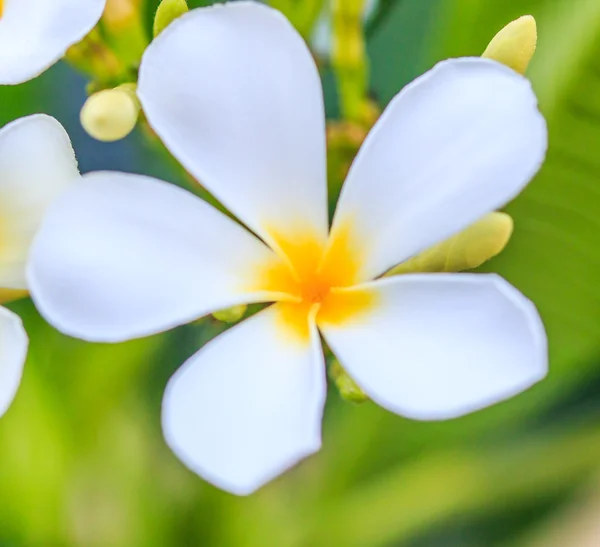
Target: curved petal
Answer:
pixel 442 345
pixel 121 256
pixel 457 143
pixel 247 406
pixel 235 95
pixel 13 352
pixel 34 34
pixel 37 164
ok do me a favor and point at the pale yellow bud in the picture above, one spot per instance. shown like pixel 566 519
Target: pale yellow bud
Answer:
pixel 111 114
pixel 515 44
pixel 464 251
pixel 167 12
pixel 231 315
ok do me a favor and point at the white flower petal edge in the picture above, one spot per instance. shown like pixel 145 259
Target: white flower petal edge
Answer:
pixel 121 256
pixel 460 141
pixel 37 164
pixel 442 345
pixel 242 110
pixel 248 405
pixel 13 352
pixel 34 34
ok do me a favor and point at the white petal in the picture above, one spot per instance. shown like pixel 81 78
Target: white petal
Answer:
pixel 121 256
pixel 235 95
pixel 247 406
pixel 37 164
pixel 13 352
pixel 442 345
pixel 34 34
pixel 457 143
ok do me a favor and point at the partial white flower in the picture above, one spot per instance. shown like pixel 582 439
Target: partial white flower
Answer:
pixel 36 164
pixel 34 34
pixel 13 352
pixel 234 93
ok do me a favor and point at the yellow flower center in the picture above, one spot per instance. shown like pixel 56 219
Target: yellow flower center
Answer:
pixel 1 7
pixel 315 278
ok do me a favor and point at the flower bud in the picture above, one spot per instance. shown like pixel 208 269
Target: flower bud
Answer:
pixel 348 388
pixel 111 114
pixel 231 315
pixel 464 251
pixel 515 44
pixel 167 12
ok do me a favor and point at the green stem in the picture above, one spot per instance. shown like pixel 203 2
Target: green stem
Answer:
pixel 348 56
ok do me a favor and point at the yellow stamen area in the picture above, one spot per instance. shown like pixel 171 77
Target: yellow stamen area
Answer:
pixel 1 7
pixel 315 278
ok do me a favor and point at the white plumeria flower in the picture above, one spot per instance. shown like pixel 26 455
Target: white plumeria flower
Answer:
pixel 234 93
pixel 36 164
pixel 34 34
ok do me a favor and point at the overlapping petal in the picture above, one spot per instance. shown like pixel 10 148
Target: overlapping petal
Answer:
pixel 121 256
pixel 235 95
pixel 13 351
pixel 34 34
pixel 442 345
pixel 457 143
pixel 248 405
pixel 37 164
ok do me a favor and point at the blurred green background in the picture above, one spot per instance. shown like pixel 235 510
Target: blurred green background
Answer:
pixel 82 460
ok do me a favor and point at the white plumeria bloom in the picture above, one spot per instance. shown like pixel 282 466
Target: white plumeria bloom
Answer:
pixel 36 164
pixel 34 34
pixel 234 93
